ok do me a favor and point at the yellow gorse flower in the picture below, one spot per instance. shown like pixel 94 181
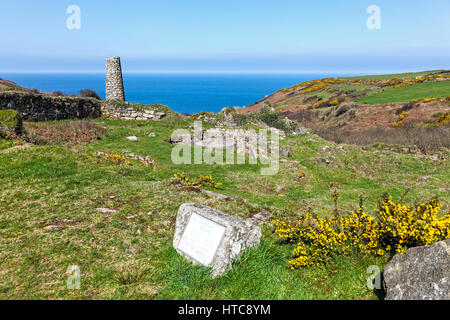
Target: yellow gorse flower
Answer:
pixel 116 157
pixel 396 228
pixel 199 181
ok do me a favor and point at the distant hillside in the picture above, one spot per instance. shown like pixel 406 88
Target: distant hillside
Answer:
pixel 6 85
pixel 363 102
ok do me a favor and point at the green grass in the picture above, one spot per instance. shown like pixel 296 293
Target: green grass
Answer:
pixel 321 94
pixel 10 123
pixel 407 75
pixel 49 221
pixel 289 101
pixel 260 275
pixel 6 144
pixel 348 87
pixel 408 93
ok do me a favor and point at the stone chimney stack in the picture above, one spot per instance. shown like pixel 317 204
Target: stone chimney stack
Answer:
pixel 114 80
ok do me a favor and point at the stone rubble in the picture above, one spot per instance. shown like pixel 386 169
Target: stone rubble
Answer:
pixel 129 113
pixel 244 141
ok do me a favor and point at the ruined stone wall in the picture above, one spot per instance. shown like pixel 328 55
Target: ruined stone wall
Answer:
pixel 128 111
pixel 36 107
pixel 114 80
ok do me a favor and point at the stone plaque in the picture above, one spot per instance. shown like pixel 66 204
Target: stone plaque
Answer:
pixel 212 238
pixel 201 239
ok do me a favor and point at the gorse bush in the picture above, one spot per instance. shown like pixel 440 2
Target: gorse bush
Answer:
pixel 11 89
pixel 88 93
pixel 267 116
pixel 272 119
pixel 402 227
pixel 198 181
pixel 58 94
pixel 115 157
pixel 444 120
pixel 395 228
pixel 241 119
pixel 401 117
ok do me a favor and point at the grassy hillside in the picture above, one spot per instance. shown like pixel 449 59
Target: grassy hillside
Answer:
pixel 406 75
pixel 417 91
pixel 49 218
pixel 402 108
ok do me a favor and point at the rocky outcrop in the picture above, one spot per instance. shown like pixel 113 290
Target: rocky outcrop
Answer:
pixel 37 107
pixel 422 273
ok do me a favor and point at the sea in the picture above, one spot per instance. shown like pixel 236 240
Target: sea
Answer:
pixel 184 93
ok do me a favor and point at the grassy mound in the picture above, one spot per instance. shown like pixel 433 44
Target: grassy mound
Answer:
pixel 10 123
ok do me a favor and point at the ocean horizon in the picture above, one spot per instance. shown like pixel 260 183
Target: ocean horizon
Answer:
pixel 183 92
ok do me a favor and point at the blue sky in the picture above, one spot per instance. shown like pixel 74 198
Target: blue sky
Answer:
pixel 279 36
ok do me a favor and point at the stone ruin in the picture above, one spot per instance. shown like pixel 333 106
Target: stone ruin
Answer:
pixel 114 80
pixel 115 106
